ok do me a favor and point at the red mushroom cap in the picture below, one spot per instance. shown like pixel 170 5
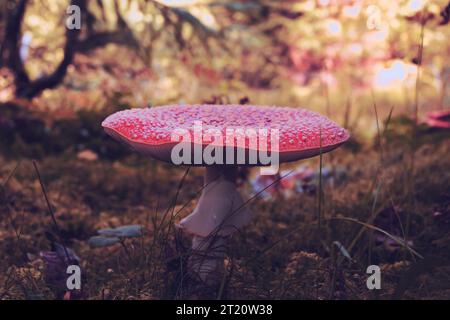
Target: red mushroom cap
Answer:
pixel 302 133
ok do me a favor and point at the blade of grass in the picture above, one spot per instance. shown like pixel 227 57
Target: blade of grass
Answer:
pixel 50 210
pixel 320 193
pixel 378 127
pixel 372 227
pixel 11 174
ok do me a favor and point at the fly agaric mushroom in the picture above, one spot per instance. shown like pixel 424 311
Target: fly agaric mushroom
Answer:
pixel 221 138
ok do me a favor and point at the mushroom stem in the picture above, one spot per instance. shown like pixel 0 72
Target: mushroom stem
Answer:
pixel 219 213
pixel 206 260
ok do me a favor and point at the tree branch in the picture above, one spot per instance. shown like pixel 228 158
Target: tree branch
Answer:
pixel 27 88
pixel 10 54
pixel 101 39
pixel 31 89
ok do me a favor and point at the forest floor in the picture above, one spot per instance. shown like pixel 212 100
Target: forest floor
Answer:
pixel 390 208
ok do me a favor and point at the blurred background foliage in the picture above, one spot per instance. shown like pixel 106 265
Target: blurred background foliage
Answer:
pixel 321 54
